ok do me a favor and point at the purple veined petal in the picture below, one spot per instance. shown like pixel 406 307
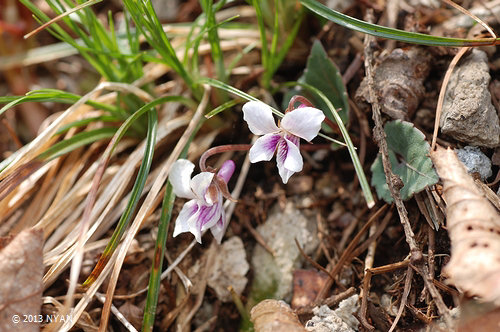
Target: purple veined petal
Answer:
pixel 205 217
pixel 188 210
pixel 259 118
pixel 226 170
pixel 199 185
pixel 219 228
pixel 180 178
pixel 288 158
pixel 304 122
pixel 264 148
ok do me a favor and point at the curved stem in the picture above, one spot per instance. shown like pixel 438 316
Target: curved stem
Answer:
pixel 298 99
pixel 221 149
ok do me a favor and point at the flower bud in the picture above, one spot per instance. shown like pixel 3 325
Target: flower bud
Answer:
pixel 226 170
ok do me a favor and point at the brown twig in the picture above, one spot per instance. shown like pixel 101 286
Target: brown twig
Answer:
pixel 404 298
pixel 352 69
pixel 364 301
pixel 429 284
pixel 362 247
pixel 393 181
pixel 310 260
pixel 335 269
pixel 366 287
pixel 13 134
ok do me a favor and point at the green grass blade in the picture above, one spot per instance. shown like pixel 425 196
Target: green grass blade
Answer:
pixel 84 122
pixel 276 59
pixel 213 38
pixel 223 107
pixel 262 30
pixel 146 20
pixel 156 268
pixel 290 38
pixel 79 140
pixel 238 57
pixel 51 95
pixel 390 33
pixel 276 36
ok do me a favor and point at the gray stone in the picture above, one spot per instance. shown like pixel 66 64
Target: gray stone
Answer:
pixel 229 269
pixel 468 114
pixel 475 161
pixel 339 320
pixel 273 275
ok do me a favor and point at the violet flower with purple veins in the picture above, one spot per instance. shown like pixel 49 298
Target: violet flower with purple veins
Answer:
pixel 205 191
pixel 302 122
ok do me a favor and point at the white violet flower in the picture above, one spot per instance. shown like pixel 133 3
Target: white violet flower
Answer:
pixel 205 191
pixel 302 122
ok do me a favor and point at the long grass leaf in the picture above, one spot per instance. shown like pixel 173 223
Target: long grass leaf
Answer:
pixel 213 39
pixel 390 33
pixel 78 140
pixel 84 122
pixel 262 30
pixel 223 107
pixel 156 268
pixel 161 239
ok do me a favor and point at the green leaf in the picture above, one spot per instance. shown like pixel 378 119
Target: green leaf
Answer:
pixel 389 33
pixel 409 156
pixel 324 75
pixel 77 141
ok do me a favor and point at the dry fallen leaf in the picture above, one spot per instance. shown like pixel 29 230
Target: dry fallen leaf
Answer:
pixel 474 229
pixel 21 282
pixel 273 316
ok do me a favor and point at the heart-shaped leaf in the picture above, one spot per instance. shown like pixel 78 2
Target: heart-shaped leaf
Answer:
pixel 324 75
pixel 409 156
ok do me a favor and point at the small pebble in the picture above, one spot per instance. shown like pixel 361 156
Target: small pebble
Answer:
pixel 475 161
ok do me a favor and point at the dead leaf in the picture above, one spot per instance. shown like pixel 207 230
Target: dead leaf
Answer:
pixel 21 282
pixel 474 230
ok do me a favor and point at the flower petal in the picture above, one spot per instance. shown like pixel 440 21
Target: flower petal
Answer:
pixel 259 118
pixel 264 147
pixel 219 228
pixel 304 122
pixel 288 159
pixel 180 177
pixel 188 210
pixel 206 217
pixel 293 160
pixel 199 185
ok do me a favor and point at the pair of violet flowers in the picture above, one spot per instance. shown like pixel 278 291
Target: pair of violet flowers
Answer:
pixel 206 190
